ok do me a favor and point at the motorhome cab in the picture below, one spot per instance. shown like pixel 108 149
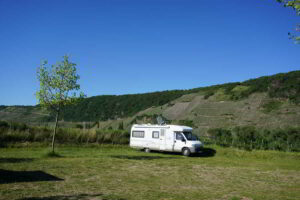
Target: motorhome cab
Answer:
pixel 172 138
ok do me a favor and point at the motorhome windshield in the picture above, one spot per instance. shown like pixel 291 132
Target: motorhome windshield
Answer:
pixel 190 136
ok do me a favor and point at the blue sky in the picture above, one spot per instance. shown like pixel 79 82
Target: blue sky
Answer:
pixel 124 46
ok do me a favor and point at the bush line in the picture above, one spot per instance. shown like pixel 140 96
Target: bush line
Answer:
pixel 20 132
pixel 245 137
pixel 250 137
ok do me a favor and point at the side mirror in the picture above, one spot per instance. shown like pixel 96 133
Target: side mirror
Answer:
pixel 183 140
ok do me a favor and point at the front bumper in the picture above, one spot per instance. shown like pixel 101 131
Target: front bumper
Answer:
pixel 196 149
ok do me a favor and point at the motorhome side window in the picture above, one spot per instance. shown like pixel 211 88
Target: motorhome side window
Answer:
pixel 138 134
pixel 179 136
pixel 155 134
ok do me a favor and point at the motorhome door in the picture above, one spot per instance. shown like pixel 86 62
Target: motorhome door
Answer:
pixel 162 139
pixel 179 141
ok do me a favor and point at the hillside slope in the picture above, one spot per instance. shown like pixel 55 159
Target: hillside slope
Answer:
pixel 284 86
pixel 28 114
pixel 257 110
pixel 271 101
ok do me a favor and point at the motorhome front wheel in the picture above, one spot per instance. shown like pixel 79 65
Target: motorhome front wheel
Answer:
pixel 186 152
pixel 147 150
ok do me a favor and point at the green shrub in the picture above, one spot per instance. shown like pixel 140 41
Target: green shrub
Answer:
pixel 208 94
pixel 3 124
pixel 24 133
pixel 112 136
pixel 221 136
pixel 121 126
pixel 79 126
pixel 249 137
pixel 189 123
pixel 271 105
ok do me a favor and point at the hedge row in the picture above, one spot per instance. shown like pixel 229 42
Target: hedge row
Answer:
pixel 249 137
pixel 19 132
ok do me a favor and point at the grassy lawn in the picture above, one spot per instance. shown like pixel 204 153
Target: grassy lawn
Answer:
pixel 121 173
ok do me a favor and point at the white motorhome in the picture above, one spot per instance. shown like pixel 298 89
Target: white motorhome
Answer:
pixel 172 138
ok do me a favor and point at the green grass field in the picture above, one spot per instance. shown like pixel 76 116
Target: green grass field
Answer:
pixel 120 173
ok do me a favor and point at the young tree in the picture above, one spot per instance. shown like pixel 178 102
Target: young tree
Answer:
pixel 58 86
pixel 295 4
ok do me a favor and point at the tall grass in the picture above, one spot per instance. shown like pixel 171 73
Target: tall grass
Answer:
pixel 249 137
pixel 19 132
pixel 245 137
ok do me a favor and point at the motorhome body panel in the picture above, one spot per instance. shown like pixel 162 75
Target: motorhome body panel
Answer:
pixel 161 137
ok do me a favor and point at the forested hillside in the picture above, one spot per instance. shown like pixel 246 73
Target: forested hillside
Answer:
pixel 104 107
pixel 113 106
pixel 285 85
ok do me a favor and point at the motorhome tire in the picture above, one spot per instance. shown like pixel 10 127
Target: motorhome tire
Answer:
pixel 186 152
pixel 147 150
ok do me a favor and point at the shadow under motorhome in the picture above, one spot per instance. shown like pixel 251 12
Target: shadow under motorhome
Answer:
pixel 171 138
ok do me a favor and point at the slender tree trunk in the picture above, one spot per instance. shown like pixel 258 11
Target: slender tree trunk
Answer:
pixel 54 133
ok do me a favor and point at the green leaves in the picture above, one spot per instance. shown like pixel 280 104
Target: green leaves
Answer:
pixel 58 84
pixel 295 4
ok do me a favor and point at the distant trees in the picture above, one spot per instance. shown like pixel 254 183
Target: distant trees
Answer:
pixel 118 106
pixel 56 84
pixel 285 85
